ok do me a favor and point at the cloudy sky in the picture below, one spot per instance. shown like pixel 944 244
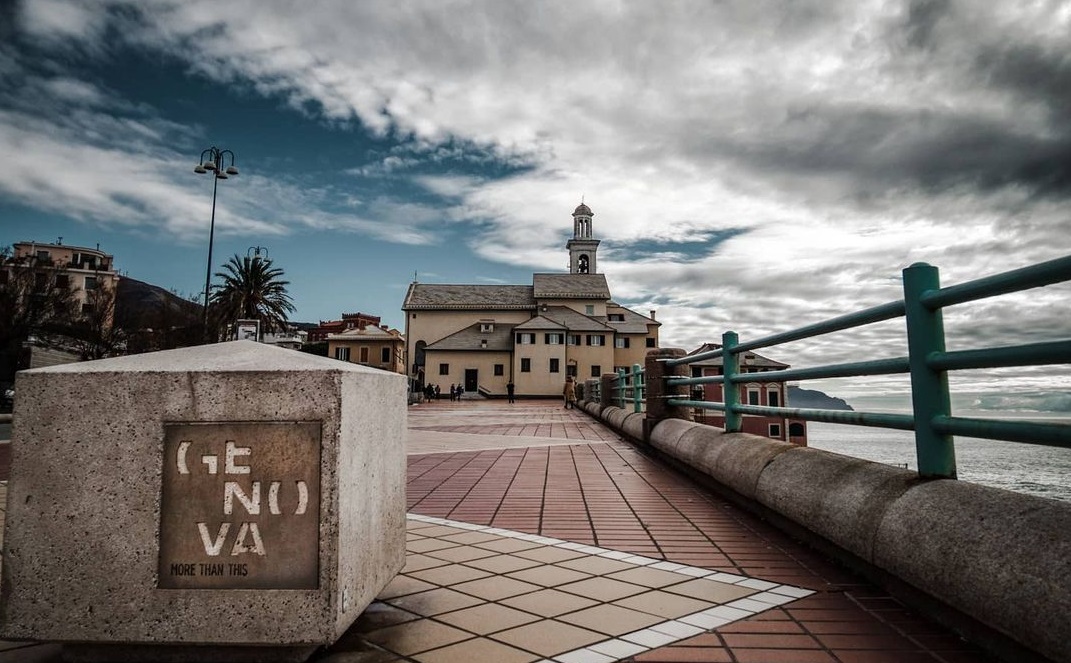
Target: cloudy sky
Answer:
pixel 753 165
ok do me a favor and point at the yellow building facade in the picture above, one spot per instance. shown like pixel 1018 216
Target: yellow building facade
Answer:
pixel 483 337
pixel 81 269
pixel 378 347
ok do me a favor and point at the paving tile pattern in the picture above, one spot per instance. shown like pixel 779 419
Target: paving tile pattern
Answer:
pixel 612 495
pixel 629 605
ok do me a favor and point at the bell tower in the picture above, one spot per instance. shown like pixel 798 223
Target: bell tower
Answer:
pixel 582 247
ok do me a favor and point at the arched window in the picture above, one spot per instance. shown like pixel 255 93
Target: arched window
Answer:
pixel 419 359
pixel 582 264
pixel 796 429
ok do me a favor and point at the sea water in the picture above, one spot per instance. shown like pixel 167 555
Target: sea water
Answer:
pixel 1025 468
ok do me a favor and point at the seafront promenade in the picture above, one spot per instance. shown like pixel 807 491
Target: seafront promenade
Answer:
pixel 536 533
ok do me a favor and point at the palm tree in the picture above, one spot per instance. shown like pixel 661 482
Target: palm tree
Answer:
pixel 252 289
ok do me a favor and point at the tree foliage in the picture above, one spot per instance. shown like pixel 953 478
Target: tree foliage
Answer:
pixel 93 331
pixel 251 289
pixel 36 301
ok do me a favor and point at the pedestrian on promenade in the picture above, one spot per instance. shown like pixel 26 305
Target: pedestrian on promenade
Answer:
pixel 437 392
pixel 460 391
pixel 509 390
pixel 453 392
pixel 569 393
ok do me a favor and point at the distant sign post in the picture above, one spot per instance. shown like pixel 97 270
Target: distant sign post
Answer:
pixel 247 330
pixel 240 506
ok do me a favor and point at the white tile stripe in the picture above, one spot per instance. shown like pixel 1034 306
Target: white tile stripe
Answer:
pixel 770 595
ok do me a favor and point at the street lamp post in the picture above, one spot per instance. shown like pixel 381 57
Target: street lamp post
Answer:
pixel 212 161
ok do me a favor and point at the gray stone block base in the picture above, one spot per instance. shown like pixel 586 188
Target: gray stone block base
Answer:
pixel 183 654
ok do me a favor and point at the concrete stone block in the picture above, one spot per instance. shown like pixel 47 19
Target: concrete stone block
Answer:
pixel 230 494
pixel 841 498
pixel 740 458
pixel 632 425
pixel 1001 557
pixel 667 433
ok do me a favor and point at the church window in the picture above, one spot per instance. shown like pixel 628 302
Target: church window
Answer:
pixel 583 265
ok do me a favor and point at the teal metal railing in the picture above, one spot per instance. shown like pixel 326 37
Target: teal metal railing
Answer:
pixel 630 387
pixel 927 363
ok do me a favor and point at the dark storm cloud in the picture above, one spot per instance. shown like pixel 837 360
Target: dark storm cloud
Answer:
pixel 881 147
pixel 920 21
pixel 1035 72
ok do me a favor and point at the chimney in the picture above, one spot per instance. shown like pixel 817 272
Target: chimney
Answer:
pixel 652 314
pixel 383 327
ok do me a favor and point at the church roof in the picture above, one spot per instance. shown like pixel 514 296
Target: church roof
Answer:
pixel 574 321
pixel 570 286
pixel 487 297
pixel 633 322
pixel 470 338
pixel 539 322
pixel 583 209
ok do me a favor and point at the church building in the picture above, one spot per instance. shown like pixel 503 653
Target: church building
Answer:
pixel 563 324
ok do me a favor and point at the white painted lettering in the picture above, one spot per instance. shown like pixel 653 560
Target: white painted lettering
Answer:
pixel 180 459
pixel 240 545
pixel 233 451
pixel 303 498
pixel 213 548
pixel 211 461
pixel 231 489
pixel 273 498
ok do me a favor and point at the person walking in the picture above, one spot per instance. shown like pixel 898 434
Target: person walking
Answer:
pixel 437 392
pixel 509 390
pixel 569 393
pixel 453 393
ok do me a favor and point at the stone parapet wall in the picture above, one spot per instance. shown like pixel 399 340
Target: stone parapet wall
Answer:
pixel 1000 558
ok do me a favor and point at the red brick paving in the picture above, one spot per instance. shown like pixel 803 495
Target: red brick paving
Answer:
pixel 612 495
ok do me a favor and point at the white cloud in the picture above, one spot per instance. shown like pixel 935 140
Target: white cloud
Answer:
pixel 843 140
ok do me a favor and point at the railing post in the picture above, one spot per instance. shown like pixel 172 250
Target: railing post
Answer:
pixel 621 377
pixel 936 452
pixel 658 391
pixel 606 389
pixel 730 392
pixel 637 388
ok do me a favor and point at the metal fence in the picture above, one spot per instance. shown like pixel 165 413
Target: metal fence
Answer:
pixel 630 388
pixel 927 362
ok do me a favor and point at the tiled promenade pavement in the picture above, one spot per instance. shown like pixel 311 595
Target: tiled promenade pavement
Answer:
pixel 540 535
pixel 536 534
